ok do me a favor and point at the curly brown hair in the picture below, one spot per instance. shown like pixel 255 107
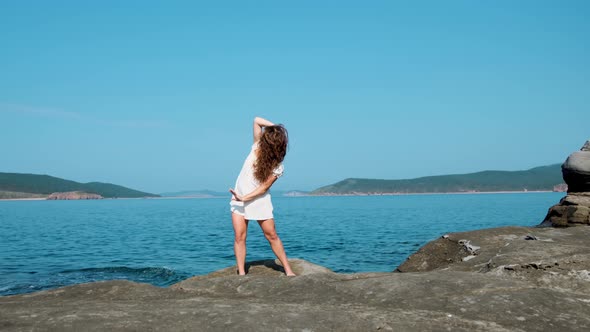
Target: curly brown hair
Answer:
pixel 272 148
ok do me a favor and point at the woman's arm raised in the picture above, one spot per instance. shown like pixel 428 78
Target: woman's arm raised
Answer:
pixel 259 123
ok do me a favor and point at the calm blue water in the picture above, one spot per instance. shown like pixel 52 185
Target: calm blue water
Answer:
pixel 46 244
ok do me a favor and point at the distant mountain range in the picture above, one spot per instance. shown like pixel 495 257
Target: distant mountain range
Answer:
pixel 18 185
pixel 544 178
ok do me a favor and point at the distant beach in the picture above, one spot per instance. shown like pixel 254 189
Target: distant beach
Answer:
pixel 24 199
pixel 437 193
pixel 313 195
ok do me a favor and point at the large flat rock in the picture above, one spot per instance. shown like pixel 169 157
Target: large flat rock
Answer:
pixel 534 254
pixel 509 283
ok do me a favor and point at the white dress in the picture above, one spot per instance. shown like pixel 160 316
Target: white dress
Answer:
pixel 261 207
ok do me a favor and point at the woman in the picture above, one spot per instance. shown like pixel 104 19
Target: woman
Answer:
pixel 251 200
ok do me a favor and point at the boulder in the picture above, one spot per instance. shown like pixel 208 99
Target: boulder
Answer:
pixel 574 209
pixel 576 170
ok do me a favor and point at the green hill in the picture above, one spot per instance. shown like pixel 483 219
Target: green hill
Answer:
pixel 17 185
pixel 539 178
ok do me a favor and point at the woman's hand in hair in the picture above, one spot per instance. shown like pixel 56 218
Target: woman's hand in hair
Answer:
pixel 262 122
pixel 259 123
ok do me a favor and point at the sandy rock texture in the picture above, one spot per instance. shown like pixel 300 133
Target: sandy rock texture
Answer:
pixel 502 279
pixel 572 210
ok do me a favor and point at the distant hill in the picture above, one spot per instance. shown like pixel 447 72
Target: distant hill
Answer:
pixel 17 185
pixel 535 179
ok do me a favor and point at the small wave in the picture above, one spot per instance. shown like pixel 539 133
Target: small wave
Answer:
pixel 124 269
pixel 159 276
pixel 23 288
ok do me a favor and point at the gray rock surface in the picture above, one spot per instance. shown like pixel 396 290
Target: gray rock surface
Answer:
pixel 574 209
pixel 576 170
pixel 516 279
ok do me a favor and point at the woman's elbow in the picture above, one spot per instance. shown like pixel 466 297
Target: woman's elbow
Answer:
pixel 266 189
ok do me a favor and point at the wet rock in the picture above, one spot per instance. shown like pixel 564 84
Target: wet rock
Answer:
pixel 434 254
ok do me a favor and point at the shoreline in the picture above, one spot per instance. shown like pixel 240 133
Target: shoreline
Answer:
pixel 442 193
pixel 103 199
pixel 24 199
pixel 314 195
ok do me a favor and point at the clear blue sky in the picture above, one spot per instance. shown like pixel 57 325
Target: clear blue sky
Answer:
pixel 159 96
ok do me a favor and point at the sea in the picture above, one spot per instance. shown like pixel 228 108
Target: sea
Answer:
pixel 49 244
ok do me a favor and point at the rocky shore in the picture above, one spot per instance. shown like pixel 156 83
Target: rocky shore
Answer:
pixel 516 279
pixel 73 195
pixel 500 279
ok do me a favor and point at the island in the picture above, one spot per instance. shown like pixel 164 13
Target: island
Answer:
pixel 544 178
pixel 35 186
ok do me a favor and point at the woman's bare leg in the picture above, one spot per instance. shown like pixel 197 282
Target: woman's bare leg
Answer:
pixel 268 227
pixel 240 232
